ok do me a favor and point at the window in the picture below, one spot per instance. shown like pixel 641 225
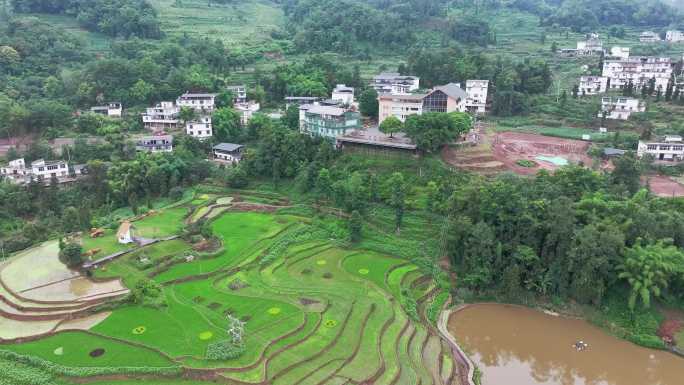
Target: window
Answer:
pixel 664 148
pixel 652 147
pixel 435 102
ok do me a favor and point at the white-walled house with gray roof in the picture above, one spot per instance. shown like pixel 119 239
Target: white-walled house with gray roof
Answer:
pixel 227 152
pixel 200 102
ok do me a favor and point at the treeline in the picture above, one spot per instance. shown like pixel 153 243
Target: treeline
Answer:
pixel 119 18
pixel 587 15
pixel 576 234
pixel 511 82
pixel 342 26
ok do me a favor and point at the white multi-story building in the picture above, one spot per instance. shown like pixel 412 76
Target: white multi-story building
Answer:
pixel 239 93
pixel 203 103
pixel 343 94
pixel 619 52
pixel 246 110
pixel 620 108
pixel 593 85
pixel 163 116
pixel 476 91
pixel 156 143
pixel 589 47
pixel 671 148
pixel 394 83
pixel 200 128
pixel 674 36
pixel 113 110
pixel 639 70
pixel 649 37
pixel 41 170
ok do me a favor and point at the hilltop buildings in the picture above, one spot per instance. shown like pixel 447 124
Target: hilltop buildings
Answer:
pixel 592 46
pixel 394 83
pixel 239 93
pixel 620 108
pixel 649 37
pixel 638 70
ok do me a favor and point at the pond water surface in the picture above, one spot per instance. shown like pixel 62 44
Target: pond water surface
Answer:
pixel 519 346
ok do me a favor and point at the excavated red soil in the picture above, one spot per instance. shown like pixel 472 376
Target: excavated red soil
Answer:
pixel 664 186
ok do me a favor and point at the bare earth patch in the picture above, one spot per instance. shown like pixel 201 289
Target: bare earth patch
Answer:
pixel 664 186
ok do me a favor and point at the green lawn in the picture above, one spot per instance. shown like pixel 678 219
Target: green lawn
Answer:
pixel 165 223
pixel 73 349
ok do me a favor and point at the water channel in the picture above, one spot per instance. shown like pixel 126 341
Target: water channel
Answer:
pixel 519 346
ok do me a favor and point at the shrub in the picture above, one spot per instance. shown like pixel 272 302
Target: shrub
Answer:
pixel 224 350
pixel 526 163
pixel 70 254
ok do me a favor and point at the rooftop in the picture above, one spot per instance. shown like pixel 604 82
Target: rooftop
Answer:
pixel 327 110
pixel 452 90
pixel 228 147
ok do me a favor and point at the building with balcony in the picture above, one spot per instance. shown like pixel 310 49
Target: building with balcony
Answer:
pixel 329 122
pixel 649 37
pixel 202 103
pixel 670 148
pixel 639 71
pixel 227 152
pixel 162 117
pixel 400 106
pixel 674 36
pixel 476 93
pixel 155 143
pixel 246 110
pixel 239 93
pixel 343 94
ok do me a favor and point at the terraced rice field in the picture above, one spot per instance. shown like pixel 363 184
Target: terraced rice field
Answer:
pixel 315 312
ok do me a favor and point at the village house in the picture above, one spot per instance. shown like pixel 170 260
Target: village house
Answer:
pixel 620 108
pixel 328 122
pixel 202 103
pixel 246 110
pixel 649 37
pixel 156 143
pixel 394 83
pixel 670 148
pixel 639 70
pixel 447 98
pixel 227 152
pixel 41 170
pixel 113 110
pixel 592 46
pixel 239 93
pixel 163 116
pixel 301 100
pixel 125 233
pixel 400 106
pixel 593 85
pixel 343 94
pixel 674 36
pixel 619 52
pixel 477 91
pixel 200 128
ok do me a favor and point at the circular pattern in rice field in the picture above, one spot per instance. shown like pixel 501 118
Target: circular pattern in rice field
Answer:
pixel 59 351
pixel 139 330
pixel 364 271
pixel 331 323
pixel 274 311
pixel 204 336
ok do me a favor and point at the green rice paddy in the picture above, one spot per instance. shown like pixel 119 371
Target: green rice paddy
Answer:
pixel 314 311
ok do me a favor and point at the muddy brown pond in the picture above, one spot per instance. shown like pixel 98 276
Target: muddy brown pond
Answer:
pixel 519 346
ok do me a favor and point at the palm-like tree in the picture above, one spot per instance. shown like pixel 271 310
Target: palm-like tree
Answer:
pixel 647 270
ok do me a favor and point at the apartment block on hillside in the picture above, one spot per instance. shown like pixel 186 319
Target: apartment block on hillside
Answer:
pixel 639 70
pixel 200 128
pixel 669 148
pixel 593 85
pixel 163 116
pixel 394 83
pixel 620 108
pixel 200 102
pixel 327 121
pixel 113 110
